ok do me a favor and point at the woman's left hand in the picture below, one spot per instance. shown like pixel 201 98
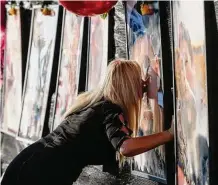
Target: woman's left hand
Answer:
pixel 171 129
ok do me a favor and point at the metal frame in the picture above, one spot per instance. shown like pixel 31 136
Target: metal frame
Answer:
pixel 3 95
pixel 85 50
pixel 127 35
pixel 88 53
pixel 3 82
pixel 174 95
pixel 211 43
pixel 167 76
pixel 27 68
pixel 111 41
pixel 148 176
pixel 25 31
pixel 84 56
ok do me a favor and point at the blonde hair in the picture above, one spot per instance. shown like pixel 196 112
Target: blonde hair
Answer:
pixel 122 86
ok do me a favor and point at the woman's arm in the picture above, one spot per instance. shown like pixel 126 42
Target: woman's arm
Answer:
pixel 138 145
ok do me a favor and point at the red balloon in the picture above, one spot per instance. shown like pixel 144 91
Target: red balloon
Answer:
pixel 88 8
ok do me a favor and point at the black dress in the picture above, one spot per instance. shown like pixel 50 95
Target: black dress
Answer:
pixel 88 137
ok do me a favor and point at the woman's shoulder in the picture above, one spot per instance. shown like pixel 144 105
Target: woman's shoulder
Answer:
pixel 110 107
pixel 104 106
pixel 101 107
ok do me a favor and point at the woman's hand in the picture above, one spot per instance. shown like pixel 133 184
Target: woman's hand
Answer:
pixel 171 129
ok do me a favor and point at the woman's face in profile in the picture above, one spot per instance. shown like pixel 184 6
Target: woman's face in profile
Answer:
pixel 186 60
pixel 152 81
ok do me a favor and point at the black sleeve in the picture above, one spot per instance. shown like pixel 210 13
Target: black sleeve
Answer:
pixel 113 125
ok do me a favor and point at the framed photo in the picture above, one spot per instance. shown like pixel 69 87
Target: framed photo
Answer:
pixel 98 51
pixel 144 43
pixel 191 92
pixel 13 75
pixel 38 74
pixel 69 65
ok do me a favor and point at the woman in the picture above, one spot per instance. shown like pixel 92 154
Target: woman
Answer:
pixel 99 124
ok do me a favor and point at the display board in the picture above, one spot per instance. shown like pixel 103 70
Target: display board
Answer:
pixel 38 73
pixel 69 64
pixel 144 43
pixel 191 93
pixel 12 74
pixel 98 51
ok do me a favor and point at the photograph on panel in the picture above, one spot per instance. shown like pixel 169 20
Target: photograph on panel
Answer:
pixel 144 40
pixel 191 91
pixel 69 67
pixel 13 73
pixel 38 73
pixel 98 50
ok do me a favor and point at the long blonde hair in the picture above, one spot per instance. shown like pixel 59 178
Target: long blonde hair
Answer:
pixel 122 86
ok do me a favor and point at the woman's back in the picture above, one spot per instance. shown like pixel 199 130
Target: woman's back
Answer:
pixel 82 138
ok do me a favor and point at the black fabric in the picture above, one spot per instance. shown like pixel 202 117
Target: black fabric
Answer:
pixel 87 137
pixel 113 125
